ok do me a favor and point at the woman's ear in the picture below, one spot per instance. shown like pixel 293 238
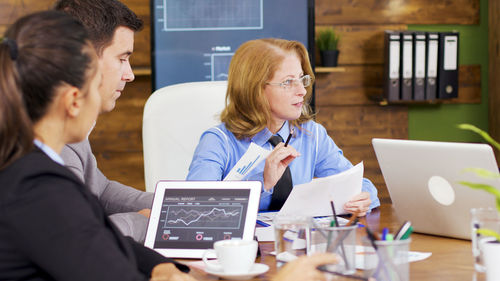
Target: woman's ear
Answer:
pixel 72 100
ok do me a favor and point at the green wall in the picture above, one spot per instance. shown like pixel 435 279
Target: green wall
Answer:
pixel 438 122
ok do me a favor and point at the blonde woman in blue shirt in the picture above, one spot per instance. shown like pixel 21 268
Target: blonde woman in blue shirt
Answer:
pixel 269 89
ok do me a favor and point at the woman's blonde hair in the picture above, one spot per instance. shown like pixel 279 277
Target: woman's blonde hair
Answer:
pixel 247 110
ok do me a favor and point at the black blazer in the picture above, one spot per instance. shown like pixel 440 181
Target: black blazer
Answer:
pixel 53 228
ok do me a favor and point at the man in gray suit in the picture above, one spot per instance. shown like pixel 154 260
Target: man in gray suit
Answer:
pixel 111 26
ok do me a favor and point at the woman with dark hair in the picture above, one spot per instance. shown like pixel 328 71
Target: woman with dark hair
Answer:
pixel 51 226
pixel 269 89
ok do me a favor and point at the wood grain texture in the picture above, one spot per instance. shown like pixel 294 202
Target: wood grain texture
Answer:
pixel 361 44
pixel 335 12
pixel 121 129
pixel 357 125
pixel 142 48
pixel 124 167
pixel 469 84
pixel 357 85
pixel 11 10
pixel 362 85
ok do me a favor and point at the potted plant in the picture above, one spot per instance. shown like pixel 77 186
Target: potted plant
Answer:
pixel 327 41
pixel 490 248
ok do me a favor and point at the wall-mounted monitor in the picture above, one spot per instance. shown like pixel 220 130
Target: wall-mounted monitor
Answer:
pixel 194 40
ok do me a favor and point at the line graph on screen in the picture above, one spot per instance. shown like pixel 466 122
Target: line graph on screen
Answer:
pixel 192 15
pixel 208 216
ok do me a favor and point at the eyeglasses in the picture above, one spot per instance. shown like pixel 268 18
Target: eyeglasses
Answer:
pixel 293 82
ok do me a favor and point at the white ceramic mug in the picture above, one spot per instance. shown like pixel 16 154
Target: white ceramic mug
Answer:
pixel 491 254
pixel 233 256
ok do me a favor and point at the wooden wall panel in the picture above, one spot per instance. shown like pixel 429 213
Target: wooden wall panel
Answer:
pixel 357 125
pixel 356 86
pixel 142 49
pixel 122 166
pixel 469 85
pixel 359 85
pixel 361 44
pixel 11 10
pixel 396 12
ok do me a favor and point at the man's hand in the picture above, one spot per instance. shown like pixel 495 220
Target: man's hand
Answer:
pixel 168 272
pixel 304 268
pixel 145 212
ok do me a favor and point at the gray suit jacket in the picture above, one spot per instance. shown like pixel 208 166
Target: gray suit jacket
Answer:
pixel 120 202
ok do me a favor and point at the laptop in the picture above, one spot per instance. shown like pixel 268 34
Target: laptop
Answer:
pixel 422 178
pixel 187 217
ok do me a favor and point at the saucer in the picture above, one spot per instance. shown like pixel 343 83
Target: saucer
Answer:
pixel 257 269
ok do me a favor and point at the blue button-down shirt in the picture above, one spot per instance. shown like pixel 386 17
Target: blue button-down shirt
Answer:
pixel 219 150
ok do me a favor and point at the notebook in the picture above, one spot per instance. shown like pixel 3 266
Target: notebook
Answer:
pixel 422 178
pixel 187 217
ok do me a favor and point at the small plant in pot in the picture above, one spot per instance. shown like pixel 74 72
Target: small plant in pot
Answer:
pixel 491 247
pixel 327 41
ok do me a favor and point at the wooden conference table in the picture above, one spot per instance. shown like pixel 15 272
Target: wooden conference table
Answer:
pixel 451 259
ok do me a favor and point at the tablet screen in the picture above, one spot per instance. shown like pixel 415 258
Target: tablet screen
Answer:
pixel 195 218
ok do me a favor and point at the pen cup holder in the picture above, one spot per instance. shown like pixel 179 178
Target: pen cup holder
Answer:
pixel 292 237
pixel 337 240
pixel 389 262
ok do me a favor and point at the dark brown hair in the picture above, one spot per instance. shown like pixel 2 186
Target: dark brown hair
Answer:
pixel 51 48
pixel 101 18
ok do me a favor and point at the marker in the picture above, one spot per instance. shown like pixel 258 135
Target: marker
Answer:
pixel 389 237
pixel 403 230
pixel 407 233
pixel 259 222
pixel 385 231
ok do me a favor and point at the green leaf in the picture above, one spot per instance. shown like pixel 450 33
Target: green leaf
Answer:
pixel 485 187
pixel 327 39
pixel 483 173
pixel 480 132
pixel 489 232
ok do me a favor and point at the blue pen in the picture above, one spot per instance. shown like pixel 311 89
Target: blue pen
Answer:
pixel 259 222
pixel 385 231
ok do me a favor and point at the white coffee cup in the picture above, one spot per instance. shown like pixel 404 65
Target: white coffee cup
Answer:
pixel 233 256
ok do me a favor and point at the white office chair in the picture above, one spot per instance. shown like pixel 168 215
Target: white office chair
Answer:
pixel 174 119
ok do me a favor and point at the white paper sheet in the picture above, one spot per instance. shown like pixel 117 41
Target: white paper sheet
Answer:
pixel 362 251
pixel 313 198
pixel 254 155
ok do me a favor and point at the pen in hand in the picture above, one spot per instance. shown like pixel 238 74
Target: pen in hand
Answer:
pixel 289 137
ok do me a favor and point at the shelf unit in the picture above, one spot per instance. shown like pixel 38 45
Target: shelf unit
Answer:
pixel 322 69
